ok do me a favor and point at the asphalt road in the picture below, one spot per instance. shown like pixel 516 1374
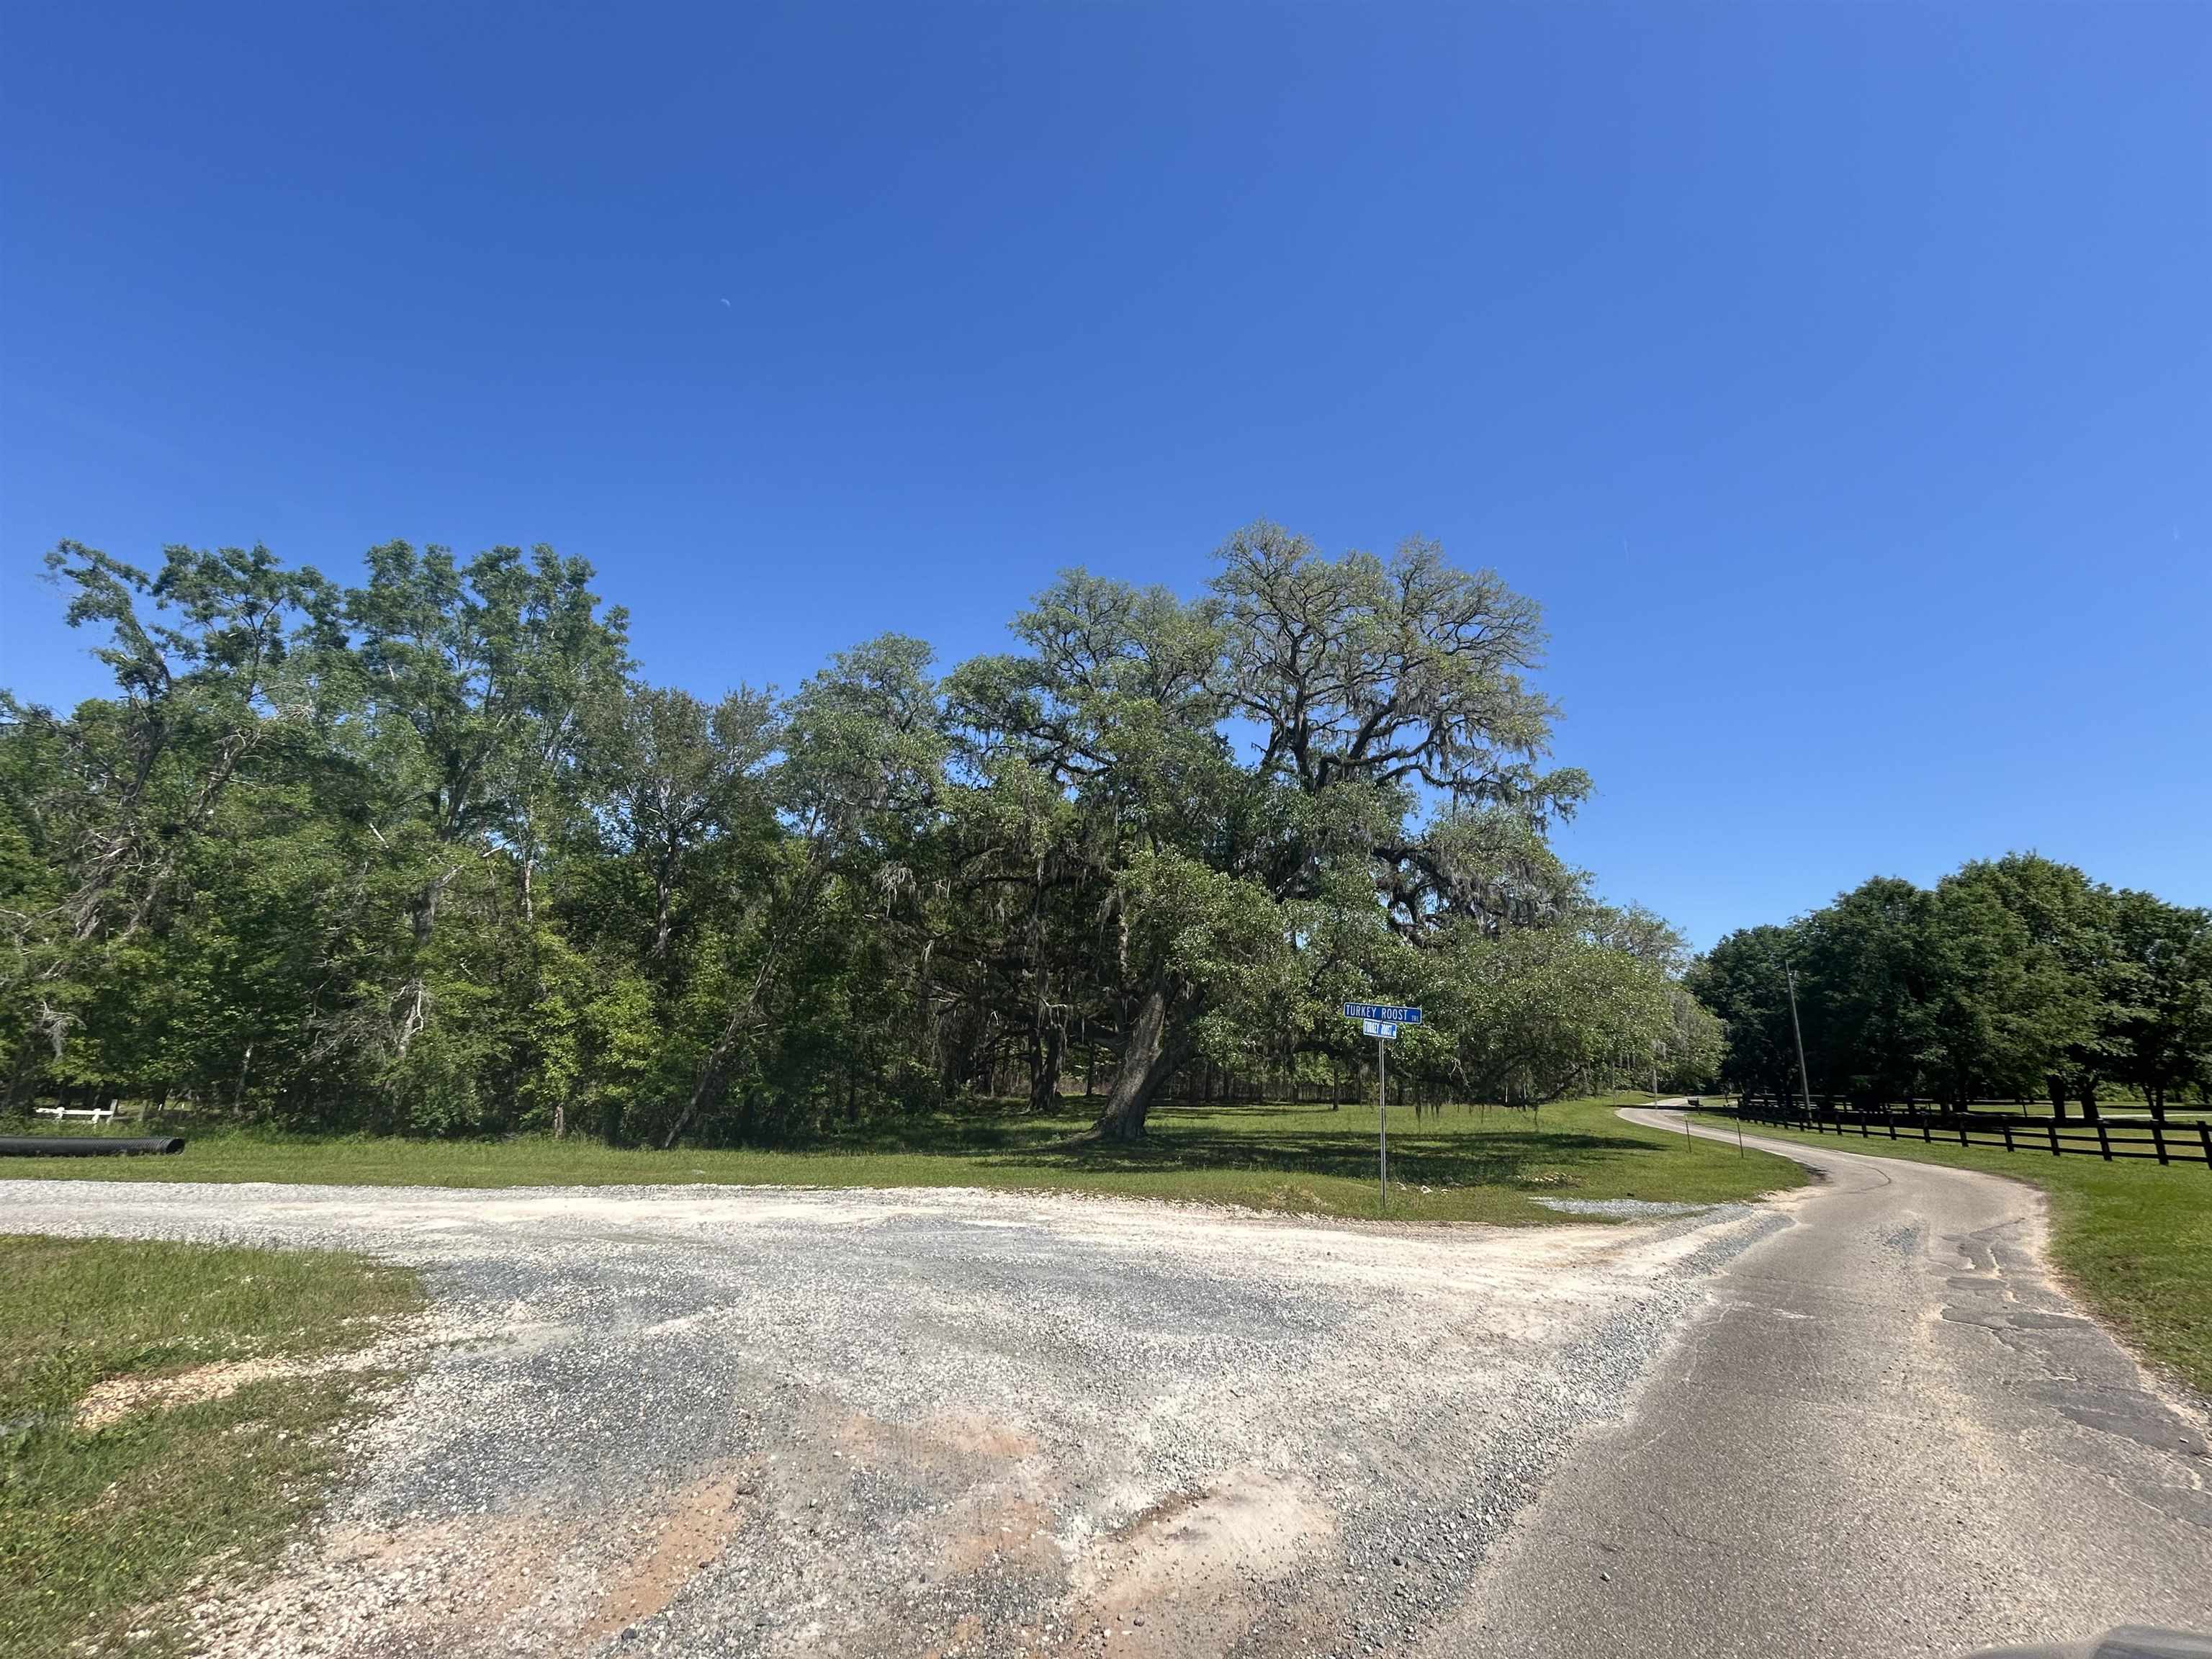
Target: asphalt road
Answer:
pixel 1887 1432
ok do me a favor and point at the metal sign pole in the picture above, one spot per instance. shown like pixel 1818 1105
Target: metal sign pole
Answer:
pixel 1382 1113
pixel 1381 1021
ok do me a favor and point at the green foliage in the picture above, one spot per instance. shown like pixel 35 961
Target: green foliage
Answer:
pixel 425 855
pixel 2012 978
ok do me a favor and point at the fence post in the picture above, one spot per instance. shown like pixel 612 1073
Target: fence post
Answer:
pixel 2158 1139
pixel 2008 1129
pixel 2053 1127
pixel 1962 1129
pixel 1926 1135
pixel 2103 1141
pixel 2204 1139
pixel 1889 1116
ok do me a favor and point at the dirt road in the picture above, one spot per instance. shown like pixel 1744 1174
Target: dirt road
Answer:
pixel 754 1421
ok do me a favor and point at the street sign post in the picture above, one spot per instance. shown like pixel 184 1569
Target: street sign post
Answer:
pixel 1397 1013
pixel 1381 1021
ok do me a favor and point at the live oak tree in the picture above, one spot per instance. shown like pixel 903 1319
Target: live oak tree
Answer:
pixel 426 852
pixel 1342 731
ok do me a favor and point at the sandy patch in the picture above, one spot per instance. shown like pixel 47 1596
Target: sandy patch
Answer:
pixel 699 1523
pixel 112 1399
pixel 1184 1576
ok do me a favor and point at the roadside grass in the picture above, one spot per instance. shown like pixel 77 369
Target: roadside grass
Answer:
pixel 100 1528
pixel 2116 1107
pixel 1455 1164
pixel 2133 1237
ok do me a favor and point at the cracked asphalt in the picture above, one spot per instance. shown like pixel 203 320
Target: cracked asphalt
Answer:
pixel 1888 1431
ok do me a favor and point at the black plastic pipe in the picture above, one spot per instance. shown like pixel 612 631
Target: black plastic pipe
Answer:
pixel 87 1146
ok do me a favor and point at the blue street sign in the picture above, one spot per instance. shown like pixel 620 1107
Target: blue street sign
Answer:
pixel 1394 1014
pixel 1378 1028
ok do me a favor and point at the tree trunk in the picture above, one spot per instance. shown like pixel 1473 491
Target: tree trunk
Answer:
pixel 2057 1087
pixel 714 1075
pixel 664 907
pixel 1047 1044
pixel 1149 1058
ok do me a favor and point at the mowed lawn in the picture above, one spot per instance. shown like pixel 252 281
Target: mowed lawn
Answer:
pixel 2133 1238
pixel 1456 1164
pixel 106 1525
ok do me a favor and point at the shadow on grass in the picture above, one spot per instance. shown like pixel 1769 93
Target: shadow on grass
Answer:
pixel 1453 1151
pixel 1570 1145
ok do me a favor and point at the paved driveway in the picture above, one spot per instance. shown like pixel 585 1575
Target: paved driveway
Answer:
pixel 1887 1432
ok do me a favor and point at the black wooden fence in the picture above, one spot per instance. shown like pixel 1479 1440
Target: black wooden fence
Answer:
pixel 2145 1138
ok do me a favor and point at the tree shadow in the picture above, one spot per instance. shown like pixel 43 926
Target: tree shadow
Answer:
pixel 1285 1141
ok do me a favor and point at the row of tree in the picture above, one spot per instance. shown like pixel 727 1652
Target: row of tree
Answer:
pixel 2017 978
pixel 427 854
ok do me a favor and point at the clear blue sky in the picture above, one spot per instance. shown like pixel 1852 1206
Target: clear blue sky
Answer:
pixel 1839 378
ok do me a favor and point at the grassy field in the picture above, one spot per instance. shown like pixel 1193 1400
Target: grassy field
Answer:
pixel 2135 1239
pixel 1456 1165
pixel 100 1527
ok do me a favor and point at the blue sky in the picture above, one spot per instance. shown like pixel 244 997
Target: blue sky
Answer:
pixel 1839 378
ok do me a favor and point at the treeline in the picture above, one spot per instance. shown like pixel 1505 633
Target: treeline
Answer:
pixel 2018 978
pixel 426 854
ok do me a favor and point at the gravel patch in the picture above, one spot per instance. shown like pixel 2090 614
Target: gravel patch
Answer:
pixel 757 1421
pixel 1623 1209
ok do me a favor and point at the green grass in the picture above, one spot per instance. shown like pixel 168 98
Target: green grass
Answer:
pixel 2133 1238
pixel 99 1529
pixel 1456 1165
pixel 2129 1107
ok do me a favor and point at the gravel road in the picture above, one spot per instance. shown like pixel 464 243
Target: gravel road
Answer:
pixel 761 1421
pixel 1887 1431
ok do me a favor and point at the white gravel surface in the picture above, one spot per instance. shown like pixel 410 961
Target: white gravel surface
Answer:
pixel 703 1420
pixel 1620 1209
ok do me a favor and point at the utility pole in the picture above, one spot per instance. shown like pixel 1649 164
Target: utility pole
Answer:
pixel 1796 1031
